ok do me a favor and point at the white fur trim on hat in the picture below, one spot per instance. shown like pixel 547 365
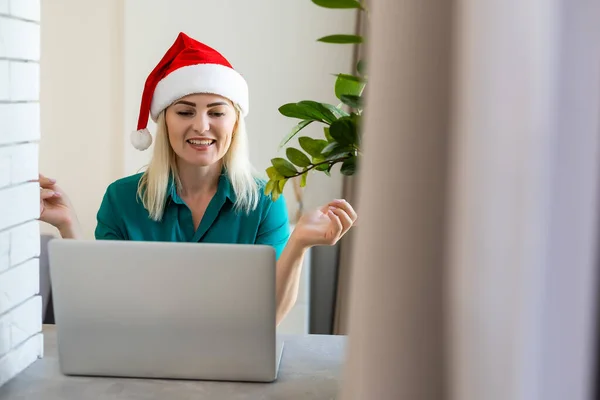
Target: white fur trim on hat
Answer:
pixel 141 139
pixel 201 78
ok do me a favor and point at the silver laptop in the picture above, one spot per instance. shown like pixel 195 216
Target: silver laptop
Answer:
pixel 165 310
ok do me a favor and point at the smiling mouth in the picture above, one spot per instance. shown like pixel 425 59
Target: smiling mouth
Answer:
pixel 201 142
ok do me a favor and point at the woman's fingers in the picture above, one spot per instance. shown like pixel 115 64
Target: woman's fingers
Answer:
pixel 343 217
pixel 347 207
pixel 47 194
pixel 338 227
pixel 44 181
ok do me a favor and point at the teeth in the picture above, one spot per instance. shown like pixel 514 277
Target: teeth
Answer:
pixel 200 142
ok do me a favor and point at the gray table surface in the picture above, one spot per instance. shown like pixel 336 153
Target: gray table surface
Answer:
pixel 311 367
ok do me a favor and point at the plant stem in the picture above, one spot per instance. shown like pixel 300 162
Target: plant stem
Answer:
pixel 363 6
pixel 330 162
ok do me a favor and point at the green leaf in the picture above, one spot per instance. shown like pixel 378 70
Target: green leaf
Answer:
pixel 333 151
pixel 351 78
pixel 328 135
pixel 278 188
pixel 339 152
pixel 318 160
pixel 313 147
pixel 297 157
pixel 324 168
pixel 357 120
pixel 349 166
pixel 336 110
pixel 338 3
pixel 281 185
pixel 301 125
pixel 361 67
pixel 330 147
pixel 273 174
pixel 352 101
pixel 275 193
pixel 308 110
pixel 269 187
pixel 344 131
pixel 341 39
pixel 303 179
pixel 348 85
pixel 284 167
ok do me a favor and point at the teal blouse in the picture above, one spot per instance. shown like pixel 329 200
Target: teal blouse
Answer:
pixel 123 217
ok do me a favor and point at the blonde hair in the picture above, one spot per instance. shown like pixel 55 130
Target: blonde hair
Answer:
pixel 154 183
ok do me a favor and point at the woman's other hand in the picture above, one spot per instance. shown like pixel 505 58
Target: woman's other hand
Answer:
pixel 325 226
pixel 55 207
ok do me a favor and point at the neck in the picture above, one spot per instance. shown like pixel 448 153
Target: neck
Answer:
pixel 198 181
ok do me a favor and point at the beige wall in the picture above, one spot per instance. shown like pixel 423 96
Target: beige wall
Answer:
pixel 91 83
pixel 82 101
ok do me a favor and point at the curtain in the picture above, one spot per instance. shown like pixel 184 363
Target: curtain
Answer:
pixel 474 265
pixel 349 192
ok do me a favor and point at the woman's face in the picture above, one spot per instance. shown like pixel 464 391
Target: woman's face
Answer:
pixel 200 128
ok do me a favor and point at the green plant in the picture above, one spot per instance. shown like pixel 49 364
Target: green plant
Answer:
pixel 341 123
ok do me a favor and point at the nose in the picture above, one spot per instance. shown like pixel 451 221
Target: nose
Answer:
pixel 201 123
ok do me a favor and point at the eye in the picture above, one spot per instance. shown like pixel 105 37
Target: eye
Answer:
pixel 217 114
pixel 185 113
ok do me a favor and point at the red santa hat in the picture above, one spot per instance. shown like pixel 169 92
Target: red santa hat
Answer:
pixel 188 67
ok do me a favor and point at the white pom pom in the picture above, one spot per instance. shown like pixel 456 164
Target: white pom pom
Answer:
pixel 141 139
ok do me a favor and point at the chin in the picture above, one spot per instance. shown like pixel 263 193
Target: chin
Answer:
pixel 198 158
pixel 199 161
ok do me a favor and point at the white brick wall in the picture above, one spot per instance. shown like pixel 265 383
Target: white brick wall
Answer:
pixel 3 6
pixel 20 324
pixel 4 80
pixel 26 9
pixel 20 122
pixel 20 39
pixel 21 341
pixel 24 81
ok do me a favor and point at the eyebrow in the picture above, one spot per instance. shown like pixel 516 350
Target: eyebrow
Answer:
pixel 189 103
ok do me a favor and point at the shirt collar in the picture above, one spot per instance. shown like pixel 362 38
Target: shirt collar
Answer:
pixel 225 187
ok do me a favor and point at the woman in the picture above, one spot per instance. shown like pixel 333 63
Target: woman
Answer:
pixel 199 185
